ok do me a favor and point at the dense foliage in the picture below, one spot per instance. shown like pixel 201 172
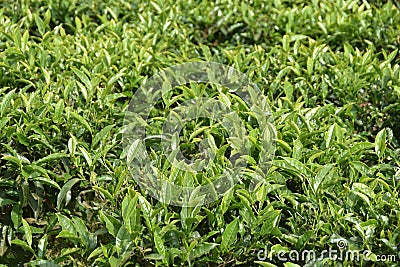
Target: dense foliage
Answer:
pixel 331 72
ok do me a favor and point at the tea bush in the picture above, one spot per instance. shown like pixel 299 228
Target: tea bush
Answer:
pixel 330 71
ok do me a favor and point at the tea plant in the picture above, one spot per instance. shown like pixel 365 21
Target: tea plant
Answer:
pixel 330 70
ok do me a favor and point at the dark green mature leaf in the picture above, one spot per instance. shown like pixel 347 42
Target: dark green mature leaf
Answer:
pixel 202 249
pixel 42 246
pixel 265 264
pixel 16 215
pixel 229 235
pixel 269 221
pixel 47 181
pixel 66 189
pixel 66 223
pixel 101 136
pixel 23 245
pixel 27 232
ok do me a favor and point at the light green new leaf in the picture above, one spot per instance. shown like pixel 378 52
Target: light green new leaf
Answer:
pixel 82 76
pixel 51 157
pixel 58 110
pixel 159 243
pixel 329 135
pixel 39 24
pixel 5 101
pixel 380 142
pixel 324 174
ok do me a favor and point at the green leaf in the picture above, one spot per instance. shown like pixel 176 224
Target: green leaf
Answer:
pixel 16 215
pixel 89 241
pixel 23 245
pixel 27 232
pixel 81 120
pixel 52 157
pixel 105 192
pixel 329 135
pixel 47 181
pixel 363 191
pixel 82 76
pixel 58 110
pixel 362 168
pixel 284 145
pixel 96 253
pixel 123 241
pixel 159 243
pixel 293 166
pixel 155 256
pixel 347 154
pixel 72 143
pixel 265 264
pixel 35 168
pixel 4 121
pixel 115 78
pixel 380 142
pixel 5 101
pixel 68 235
pixel 131 213
pixel 65 190
pixel 112 224
pixel 310 66
pixel 44 263
pixel 290 264
pixel 42 246
pixel 39 24
pixel 3 242
pixel 230 234
pixel 303 239
pixel 324 174
pixel 132 150
pixel 86 156
pixel 269 221
pixel 66 223
pixel 13 159
pixel 101 136
pixel 202 249
pixel 285 43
